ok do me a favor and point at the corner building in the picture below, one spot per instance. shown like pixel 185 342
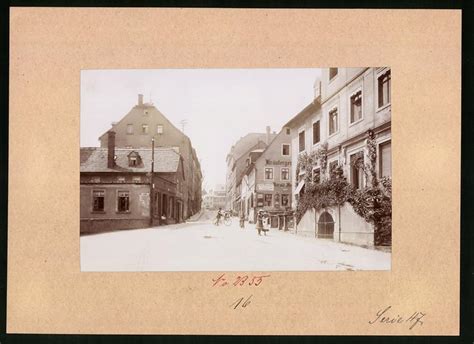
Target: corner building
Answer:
pixel 347 103
pixel 136 130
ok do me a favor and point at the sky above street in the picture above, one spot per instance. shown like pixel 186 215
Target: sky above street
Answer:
pixel 219 105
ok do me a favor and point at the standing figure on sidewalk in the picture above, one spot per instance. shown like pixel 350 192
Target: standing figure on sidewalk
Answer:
pixel 260 223
pixel 242 219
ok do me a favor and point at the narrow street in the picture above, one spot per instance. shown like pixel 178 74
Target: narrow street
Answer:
pixel 202 246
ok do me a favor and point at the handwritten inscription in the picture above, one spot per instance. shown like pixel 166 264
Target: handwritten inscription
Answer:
pixel 240 302
pixel 385 316
pixel 238 281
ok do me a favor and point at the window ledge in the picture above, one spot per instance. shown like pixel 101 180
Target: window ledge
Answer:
pixel 356 122
pixel 123 212
pixel 383 107
pixel 98 212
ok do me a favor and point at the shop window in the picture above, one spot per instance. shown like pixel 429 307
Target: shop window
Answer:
pixel 356 106
pixel 285 150
pixel 98 197
pixel 301 139
pixel 316 132
pixel 285 173
pixel 268 200
pixel 123 201
pixel 332 73
pixel 357 170
pixel 285 200
pixel 269 173
pixel 385 150
pixel 333 121
pixel 384 86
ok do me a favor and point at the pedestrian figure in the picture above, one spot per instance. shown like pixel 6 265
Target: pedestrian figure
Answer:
pixel 260 223
pixel 218 217
pixel 242 219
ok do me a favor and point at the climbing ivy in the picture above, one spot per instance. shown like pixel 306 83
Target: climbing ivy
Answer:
pixel 372 202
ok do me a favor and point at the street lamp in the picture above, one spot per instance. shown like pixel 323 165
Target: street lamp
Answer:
pixel 152 185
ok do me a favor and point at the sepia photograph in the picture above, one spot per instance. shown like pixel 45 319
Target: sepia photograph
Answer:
pixel 236 169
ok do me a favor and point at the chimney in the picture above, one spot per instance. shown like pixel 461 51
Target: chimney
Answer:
pixel 268 134
pixel 111 149
pixel 140 99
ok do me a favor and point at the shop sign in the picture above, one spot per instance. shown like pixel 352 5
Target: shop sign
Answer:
pixel 265 187
pixel 278 162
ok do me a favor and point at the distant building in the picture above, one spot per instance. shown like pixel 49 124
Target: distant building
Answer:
pixel 215 198
pixel 266 181
pixel 144 122
pixel 348 102
pixel 236 163
pixel 115 186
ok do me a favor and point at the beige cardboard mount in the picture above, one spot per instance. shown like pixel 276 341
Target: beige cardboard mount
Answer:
pixel 47 293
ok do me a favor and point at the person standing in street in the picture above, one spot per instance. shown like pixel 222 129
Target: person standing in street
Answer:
pixel 259 225
pixel 242 219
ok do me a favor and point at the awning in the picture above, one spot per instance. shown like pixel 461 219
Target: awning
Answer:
pixel 299 187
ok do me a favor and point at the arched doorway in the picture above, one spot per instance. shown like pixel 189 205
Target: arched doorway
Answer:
pixel 326 226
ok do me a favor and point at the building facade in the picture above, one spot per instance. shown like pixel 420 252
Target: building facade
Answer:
pixel 215 198
pixel 236 162
pixel 145 122
pixel 348 103
pixel 266 182
pixel 116 184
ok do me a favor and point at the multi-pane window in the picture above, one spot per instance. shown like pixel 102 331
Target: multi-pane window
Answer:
pixel 333 125
pixel 356 106
pixel 268 172
pixel 268 200
pixel 332 73
pixel 123 201
pixel 129 128
pixel 285 150
pixel 384 89
pixel 285 173
pixel 357 172
pixel 316 132
pixel 98 200
pixel 285 200
pixel 132 161
pixel 159 129
pixel 288 131
pixel 385 159
pixel 301 141
pixel 144 128
pixel 316 176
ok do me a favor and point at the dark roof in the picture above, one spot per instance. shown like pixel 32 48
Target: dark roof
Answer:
pixel 94 159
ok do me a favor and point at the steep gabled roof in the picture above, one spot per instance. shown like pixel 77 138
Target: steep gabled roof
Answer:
pixel 94 159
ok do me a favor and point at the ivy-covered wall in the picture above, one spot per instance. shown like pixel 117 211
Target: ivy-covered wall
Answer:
pixel 372 202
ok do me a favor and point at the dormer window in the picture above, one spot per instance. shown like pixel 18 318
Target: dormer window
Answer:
pixel 133 159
